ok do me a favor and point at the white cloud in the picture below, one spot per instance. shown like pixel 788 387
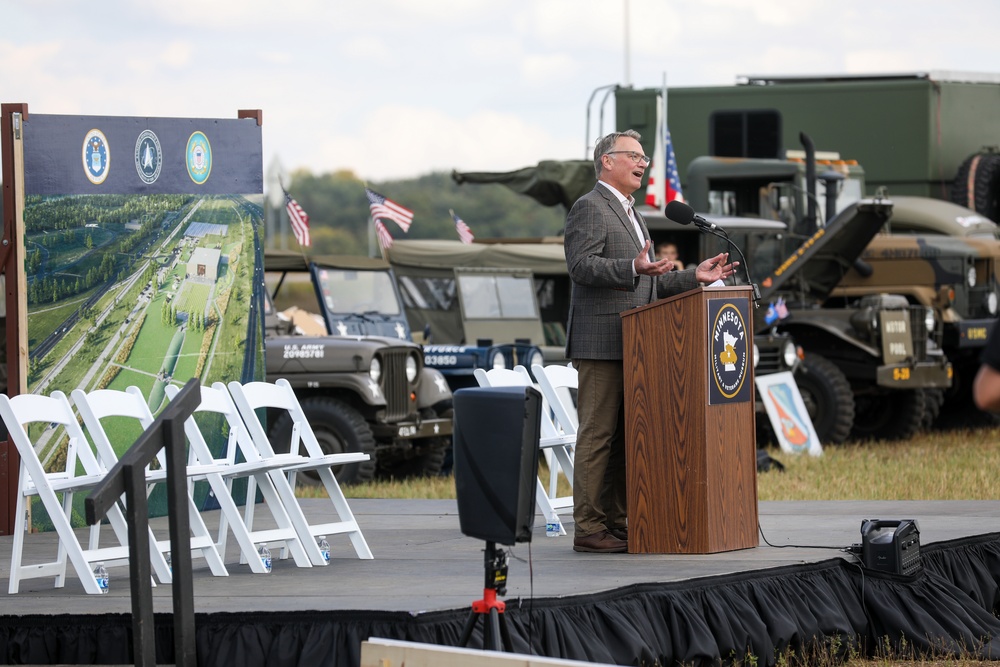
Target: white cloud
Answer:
pixel 547 68
pixel 400 141
pixel 367 48
pixel 177 54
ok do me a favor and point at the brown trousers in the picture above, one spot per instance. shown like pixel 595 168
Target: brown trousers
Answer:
pixel 599 495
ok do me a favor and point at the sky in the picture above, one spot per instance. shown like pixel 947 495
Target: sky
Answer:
pixel 393 89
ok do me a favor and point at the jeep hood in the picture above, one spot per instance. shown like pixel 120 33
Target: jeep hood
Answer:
pixel 816 266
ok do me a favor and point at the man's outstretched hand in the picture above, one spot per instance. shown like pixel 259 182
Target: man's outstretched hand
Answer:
pixel 645 267
pixel 715 269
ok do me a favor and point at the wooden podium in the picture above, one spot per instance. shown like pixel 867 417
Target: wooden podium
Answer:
pixel 691 454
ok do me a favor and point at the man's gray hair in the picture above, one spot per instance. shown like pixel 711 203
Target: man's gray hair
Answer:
pixel 607 143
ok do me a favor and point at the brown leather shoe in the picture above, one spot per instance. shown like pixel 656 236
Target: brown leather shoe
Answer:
pixel 620 533
pixel 602 542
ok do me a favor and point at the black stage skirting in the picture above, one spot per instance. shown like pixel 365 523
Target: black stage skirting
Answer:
pixel 950 608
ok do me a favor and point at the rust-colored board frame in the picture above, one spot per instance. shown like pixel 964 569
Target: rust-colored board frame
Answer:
pixel 12 266
pixel 691 467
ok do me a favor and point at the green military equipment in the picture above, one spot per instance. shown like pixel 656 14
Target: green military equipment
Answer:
pixel 914 133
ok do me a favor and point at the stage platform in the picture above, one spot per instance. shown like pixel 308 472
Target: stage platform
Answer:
pixel 426 574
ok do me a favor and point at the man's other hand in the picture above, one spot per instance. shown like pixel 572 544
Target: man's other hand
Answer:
pixel 715 269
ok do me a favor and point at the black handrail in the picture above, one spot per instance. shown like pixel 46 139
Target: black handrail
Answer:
pixel 129 477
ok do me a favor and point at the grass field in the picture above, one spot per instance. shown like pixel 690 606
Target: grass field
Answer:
pixel 126 378
pixel 151 345
pixel 187 360
pixel 949 465
pixel 192 298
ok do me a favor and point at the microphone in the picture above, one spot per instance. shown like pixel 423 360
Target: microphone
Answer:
pixel 683 214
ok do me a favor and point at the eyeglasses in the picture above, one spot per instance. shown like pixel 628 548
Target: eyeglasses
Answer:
pixel 635 157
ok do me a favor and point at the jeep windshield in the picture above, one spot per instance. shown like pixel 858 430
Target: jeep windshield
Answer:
pixel 350 292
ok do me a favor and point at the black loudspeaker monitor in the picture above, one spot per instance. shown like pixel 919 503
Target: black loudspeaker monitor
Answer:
pixel 496 461
pixel 891 545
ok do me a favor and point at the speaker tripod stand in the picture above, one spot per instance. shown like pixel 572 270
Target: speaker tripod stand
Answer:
pixel 489 608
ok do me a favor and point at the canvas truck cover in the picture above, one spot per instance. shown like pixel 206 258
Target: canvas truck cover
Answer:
pixel 550 182
pixel 540 258
pixel 287 260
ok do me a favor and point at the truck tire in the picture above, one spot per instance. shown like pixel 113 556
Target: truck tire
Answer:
pixel 891 415
pixel 827 397
pixel 977 185
pixel 339 428
pixel 933 400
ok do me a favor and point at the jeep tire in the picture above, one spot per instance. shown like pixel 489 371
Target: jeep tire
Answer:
pixel 827 396
pixel 339 429
pixel 889 415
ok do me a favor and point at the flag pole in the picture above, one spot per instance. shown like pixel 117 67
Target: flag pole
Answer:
pixel 664 130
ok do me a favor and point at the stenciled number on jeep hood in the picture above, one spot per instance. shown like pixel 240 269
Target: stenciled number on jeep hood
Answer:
pixel 440 360
pixel 304 351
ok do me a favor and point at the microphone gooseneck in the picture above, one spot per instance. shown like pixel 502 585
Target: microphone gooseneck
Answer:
pixel 683 214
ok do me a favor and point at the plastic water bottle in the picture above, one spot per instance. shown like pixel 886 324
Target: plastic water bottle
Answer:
pixel 265 556
pixel 170 566
pixel 552 525
pixel 324 547
pixel 101 575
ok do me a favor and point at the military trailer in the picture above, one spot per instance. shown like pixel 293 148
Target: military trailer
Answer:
pixel 335 329
pixel 929 134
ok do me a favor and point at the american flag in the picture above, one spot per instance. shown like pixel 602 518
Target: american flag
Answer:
pixel 673 178
pixel 386 208
pixel 463 230
pixel 384 237
pixel 299 220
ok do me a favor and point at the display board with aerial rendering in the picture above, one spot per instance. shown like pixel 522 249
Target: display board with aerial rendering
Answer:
pixel 141 242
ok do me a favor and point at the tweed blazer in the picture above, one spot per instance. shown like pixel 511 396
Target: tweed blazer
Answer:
pixel 600 245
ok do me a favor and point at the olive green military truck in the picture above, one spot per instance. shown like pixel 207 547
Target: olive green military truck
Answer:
pixel 930 252
pixel 335 329
pixel 944 256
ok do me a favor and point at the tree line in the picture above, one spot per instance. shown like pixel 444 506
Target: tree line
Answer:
pixel 339 213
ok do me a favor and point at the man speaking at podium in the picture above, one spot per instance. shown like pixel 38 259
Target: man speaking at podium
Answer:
pixel 609 261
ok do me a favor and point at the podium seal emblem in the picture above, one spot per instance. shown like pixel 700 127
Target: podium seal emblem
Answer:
pixel 729 350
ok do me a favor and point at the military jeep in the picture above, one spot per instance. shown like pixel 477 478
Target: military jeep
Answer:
pixel 335 330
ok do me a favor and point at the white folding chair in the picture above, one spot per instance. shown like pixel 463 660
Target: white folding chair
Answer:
pixel 554 444
pixel 54 411
pixel 279 395
pixel 216 400
pixel 104 403
pixel 555 382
